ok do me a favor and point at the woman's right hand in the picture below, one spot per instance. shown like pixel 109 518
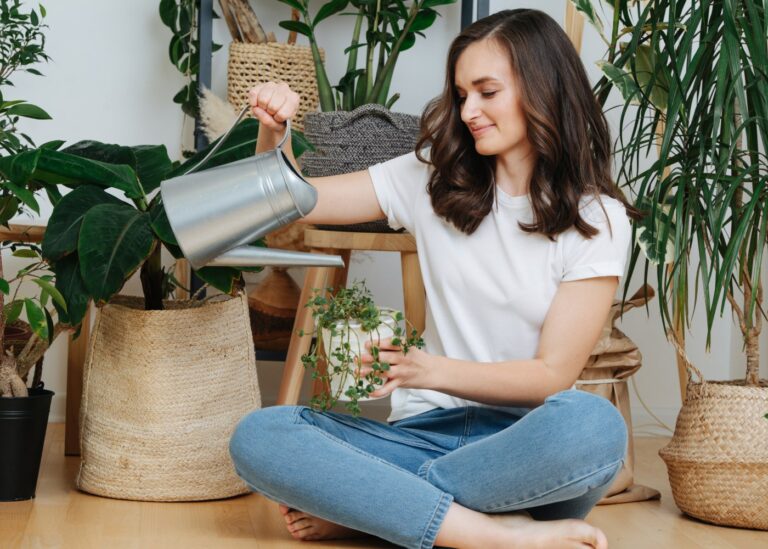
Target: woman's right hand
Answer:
pixel 272 104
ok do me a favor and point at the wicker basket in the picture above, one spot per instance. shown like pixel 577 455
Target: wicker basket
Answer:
pixel 350 141
pixel 717 459
pixel 251 64
pixel 162 393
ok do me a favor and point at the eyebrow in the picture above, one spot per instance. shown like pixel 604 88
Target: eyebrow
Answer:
pixel 482 80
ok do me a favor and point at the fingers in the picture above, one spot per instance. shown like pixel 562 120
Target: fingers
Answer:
pixel 273 103
pixel 386 389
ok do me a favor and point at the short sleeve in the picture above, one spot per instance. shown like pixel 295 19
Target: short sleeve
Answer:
pixel 605 254
pixel 398 184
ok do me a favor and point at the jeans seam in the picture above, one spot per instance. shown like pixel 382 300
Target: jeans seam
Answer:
pixel 468 417
pixel 430 532
pixel 598 470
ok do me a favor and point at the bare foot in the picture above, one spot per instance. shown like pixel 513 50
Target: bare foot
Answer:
pixel 305 527
pixel 520 530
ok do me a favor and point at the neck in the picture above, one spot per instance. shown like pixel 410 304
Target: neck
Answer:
pixel 514 170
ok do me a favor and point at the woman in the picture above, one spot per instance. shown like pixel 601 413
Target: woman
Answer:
pixel 522 237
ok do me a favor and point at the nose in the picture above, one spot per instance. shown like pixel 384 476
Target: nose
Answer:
pixel 469 109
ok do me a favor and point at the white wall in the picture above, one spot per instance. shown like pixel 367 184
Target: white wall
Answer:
pixel 110 79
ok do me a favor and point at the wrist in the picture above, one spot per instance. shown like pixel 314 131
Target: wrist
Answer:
pixel 433 370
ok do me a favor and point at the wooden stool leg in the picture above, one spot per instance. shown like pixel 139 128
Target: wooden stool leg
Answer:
pixel 413 290
pixel 337 281
pixel 290 386
pixel 75 361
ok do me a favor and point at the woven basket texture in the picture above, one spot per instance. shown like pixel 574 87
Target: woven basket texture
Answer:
pixel 251 64
pixel 350 141
pixel 162 393
pixel 718 457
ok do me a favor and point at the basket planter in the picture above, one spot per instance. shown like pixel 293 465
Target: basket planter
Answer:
pixel 162 393
pixel 717 459
pixel 23 422
pixel 350 141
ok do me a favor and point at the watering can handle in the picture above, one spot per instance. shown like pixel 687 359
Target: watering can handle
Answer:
pixel 229 131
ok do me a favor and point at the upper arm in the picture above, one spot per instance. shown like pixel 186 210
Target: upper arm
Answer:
pixel 344 199
pixel 573 325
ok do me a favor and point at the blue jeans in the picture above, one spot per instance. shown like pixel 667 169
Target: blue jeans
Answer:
pixel 396 481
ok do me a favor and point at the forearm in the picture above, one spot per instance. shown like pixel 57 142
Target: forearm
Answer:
pixel 509 383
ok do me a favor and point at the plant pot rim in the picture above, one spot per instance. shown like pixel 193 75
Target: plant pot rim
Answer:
pixel 355 323
pixel 33 393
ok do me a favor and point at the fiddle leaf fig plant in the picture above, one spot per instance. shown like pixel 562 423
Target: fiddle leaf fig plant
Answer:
pixel 113 223
pixel 344 322
pixel 385 28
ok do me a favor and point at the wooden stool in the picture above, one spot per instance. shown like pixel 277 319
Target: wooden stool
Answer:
pixel 343 243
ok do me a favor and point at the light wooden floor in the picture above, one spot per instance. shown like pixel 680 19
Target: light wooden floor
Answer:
pixel 61 516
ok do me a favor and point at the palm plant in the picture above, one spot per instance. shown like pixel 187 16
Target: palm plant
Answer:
pixel 694 79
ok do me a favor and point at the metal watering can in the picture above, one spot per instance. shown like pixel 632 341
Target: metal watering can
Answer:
pixel 216 212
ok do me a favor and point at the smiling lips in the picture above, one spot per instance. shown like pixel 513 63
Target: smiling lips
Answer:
pixel 479 130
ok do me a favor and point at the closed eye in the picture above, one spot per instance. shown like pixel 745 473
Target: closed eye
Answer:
pixel 489 93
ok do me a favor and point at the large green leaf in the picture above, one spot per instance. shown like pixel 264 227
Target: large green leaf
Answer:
pixel 71 286
pixel 114 241
pixel 160 224
pixel 64 225
pixel 71 170
pixel 150 162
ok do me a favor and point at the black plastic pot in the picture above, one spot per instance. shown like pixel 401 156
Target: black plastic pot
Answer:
pixel 23 422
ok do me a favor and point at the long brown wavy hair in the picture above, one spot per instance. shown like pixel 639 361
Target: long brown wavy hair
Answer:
pixel 565 126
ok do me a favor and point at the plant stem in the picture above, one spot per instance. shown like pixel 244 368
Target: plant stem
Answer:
pixel 152 280
pixel 389 67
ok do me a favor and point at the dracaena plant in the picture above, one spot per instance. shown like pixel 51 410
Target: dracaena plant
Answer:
pixel 693 77
pixel 383 28
pixel 96 240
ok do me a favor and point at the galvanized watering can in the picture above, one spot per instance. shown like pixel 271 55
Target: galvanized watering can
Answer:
pixel 216 212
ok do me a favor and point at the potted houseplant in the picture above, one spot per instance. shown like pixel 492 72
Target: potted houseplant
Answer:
pixel 356 127
pixel 693 80
pixel 345 321
pixel 24 402
pixel 153 364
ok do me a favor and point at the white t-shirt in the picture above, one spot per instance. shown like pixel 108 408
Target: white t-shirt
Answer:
pixel 487 293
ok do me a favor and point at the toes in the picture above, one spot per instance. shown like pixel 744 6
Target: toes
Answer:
pixel 293 516
pixel 284 509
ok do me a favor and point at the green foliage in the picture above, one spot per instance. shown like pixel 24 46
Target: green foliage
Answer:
pixel 21 45
pixel 336 313
pixel 95 240
pixel 36 307
pixel 181 17
pixel 693 79
pixel 385 28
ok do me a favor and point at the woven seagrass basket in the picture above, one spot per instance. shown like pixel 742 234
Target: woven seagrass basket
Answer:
pixel 251 64
pixel 717 459
pixel 350 141
pixel 162 393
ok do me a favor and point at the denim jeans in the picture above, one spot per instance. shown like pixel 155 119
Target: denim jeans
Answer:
pixel 396 481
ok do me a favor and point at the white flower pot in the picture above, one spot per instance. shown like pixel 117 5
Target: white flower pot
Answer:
pixel 340 382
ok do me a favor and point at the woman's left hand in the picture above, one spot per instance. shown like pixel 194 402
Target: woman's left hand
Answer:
pixel 413 370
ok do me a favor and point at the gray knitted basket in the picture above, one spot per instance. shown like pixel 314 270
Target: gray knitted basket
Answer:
pixel 350 141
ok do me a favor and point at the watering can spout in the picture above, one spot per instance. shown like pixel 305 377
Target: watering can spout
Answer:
pixel 215 213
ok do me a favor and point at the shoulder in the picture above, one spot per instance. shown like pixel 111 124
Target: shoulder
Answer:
pixel 601 209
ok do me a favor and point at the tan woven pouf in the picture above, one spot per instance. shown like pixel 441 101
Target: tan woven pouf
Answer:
pixel 718 457
pixel 162 393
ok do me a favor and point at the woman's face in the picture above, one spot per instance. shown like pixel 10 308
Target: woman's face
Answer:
pixel 489 100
